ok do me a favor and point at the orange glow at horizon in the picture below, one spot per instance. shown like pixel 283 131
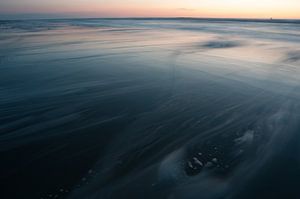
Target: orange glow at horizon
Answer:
pixel 156 8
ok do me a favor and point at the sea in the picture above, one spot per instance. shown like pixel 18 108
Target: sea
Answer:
pixel 150 108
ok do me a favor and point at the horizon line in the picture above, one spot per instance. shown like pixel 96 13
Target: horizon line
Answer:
pixel 153 18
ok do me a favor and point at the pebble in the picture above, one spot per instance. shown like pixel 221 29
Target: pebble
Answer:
pixel 197 161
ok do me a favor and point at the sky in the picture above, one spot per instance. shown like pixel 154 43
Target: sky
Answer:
pixel 152 8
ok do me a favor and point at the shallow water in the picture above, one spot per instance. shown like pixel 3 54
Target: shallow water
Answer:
pixel 150 108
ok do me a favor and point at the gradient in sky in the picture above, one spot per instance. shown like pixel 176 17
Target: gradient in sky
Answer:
pixel 155 8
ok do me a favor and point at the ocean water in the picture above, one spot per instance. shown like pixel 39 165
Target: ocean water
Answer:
pixel 150 108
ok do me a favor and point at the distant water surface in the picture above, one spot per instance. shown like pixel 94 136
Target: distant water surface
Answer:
pixel 150 108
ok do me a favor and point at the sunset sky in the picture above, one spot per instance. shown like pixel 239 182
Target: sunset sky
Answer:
pixel 154 8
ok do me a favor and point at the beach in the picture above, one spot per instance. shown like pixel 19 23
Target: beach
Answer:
pixel 150 108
